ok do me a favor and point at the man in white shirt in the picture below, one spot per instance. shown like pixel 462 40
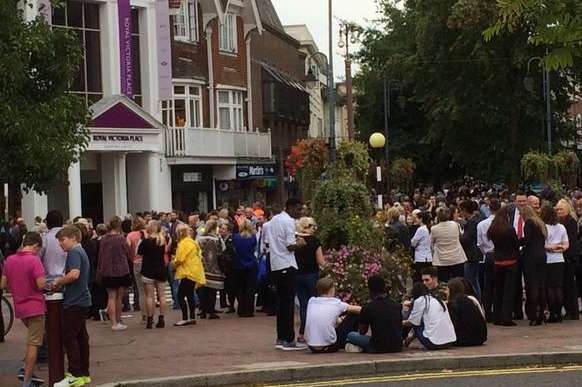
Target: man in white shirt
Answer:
pixel 487 266
pixel 282 244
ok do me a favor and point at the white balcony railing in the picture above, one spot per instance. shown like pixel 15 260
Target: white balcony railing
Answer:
pixel 207 142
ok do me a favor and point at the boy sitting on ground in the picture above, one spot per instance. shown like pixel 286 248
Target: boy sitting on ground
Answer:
pixel 384 317
pixel 325 332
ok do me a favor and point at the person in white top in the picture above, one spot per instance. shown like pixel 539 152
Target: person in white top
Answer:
pixel 556 243
pixel 486 246
pixel 420 242
pixel 282 244
pixel 323 334
pixel 430 320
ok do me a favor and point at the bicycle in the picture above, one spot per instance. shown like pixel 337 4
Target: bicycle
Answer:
pixel 7 316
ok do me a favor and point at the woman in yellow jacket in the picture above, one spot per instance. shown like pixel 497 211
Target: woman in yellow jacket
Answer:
pixel 190 272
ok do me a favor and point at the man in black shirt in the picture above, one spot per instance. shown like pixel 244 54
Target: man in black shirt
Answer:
pixel 384 317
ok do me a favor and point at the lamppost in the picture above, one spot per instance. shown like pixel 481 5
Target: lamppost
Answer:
pixel 349 33
pixel 331 87
pixel 547 90
pixel 378 141
pixel 388 84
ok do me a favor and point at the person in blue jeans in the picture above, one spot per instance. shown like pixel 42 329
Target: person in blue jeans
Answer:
pixel 309 258
pixel 384 317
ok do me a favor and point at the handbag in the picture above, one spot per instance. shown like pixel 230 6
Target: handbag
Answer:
pixel 263 272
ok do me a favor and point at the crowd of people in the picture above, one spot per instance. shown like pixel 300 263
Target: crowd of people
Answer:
pixel 478 255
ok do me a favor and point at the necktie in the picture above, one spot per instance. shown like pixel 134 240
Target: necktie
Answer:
pixel 520 227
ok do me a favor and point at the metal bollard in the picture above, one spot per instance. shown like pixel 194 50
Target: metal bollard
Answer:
pixel 56 358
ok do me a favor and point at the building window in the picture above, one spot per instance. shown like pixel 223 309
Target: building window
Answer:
pixel 186 21
pixel 230 110
pixel 135 57
pixel 185 109
pixel 228 35
pixel 83 19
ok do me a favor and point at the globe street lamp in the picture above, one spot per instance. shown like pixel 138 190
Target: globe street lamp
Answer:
pixel 377 141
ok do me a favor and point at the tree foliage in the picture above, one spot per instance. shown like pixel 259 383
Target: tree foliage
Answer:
pixel 41 124
pixel 307 161
pixel 556 24
pixel 467 110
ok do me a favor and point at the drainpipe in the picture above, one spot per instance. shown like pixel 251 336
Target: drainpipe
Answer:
pixel 210 77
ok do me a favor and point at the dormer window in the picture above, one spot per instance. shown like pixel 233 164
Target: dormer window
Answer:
pixel 228 34
pixel 186 22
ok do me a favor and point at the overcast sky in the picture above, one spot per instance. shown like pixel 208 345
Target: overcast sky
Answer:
pixel 314 13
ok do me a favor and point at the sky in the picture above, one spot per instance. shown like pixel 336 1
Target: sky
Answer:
pixel 314 14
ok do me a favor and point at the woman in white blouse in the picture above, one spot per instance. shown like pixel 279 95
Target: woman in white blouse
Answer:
pixel 556 243
pixel 421 244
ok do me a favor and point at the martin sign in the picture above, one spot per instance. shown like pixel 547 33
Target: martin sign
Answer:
pixel 254 171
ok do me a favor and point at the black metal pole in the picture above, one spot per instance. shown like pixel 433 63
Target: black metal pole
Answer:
pixel 331 89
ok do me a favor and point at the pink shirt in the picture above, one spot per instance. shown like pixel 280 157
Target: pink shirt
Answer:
pixel 133 238
pixel 22 270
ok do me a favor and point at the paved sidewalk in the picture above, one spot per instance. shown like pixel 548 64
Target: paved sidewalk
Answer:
pixel 233 344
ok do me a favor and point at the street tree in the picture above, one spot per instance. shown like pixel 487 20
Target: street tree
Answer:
pixel 555 24
pixel 466 109
pixel 42 125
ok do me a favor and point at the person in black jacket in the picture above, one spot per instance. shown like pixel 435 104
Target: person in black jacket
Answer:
pixel 468 240
pixel 467 315
pixel 534 262
pixel 504 238
pixel 566 216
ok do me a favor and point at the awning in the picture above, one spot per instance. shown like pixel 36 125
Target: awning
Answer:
pixel 283 78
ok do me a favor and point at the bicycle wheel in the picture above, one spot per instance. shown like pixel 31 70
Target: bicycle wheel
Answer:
pixel 7 314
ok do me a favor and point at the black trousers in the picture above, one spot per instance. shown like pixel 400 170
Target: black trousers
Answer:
pixel 284 281
pixel 186 299
pixel 245 284
pixel 488 289
pixel 76 340
pixel 504 293
pixel 349 324
pixel 207 298
pixel 445 273
pixel 570 289
pixel 518 300
pixel 229 290
pixel 418 266
pixel 1 321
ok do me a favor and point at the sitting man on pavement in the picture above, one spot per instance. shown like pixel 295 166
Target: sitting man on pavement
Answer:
pixel 323 333
pixel 384 317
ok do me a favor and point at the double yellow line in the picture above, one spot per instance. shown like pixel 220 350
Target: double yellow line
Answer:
pixel 433 375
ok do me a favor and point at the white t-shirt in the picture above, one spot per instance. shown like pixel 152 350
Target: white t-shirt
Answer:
pixel 438 327
pixel 421 244
pixel 281 235
pixel 556 234
pixel 322 315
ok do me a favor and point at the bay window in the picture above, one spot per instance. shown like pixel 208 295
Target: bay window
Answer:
pixel 184 110
pixel 230 110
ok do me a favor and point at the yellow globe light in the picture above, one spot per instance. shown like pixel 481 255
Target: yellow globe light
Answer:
pixel 377 140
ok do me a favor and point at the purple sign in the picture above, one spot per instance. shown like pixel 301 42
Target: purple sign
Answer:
pixel 164 54
pixel 125 60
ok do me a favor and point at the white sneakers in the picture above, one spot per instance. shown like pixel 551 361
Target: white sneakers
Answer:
pixel 119 327
pixel 351 348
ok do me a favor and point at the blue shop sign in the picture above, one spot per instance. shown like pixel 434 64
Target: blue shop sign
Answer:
pixel 257 171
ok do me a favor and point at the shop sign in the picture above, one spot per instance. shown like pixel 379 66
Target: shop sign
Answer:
pixel 254 171
pixel 117 138
pixel 125 60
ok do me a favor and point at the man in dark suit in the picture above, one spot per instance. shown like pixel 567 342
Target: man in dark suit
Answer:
pixel 518 224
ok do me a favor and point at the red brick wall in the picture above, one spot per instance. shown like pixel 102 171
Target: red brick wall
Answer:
pixel 229 69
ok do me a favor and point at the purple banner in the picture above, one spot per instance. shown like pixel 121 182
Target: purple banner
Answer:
pixel 164 52
pixel 45 10
pixel 125 60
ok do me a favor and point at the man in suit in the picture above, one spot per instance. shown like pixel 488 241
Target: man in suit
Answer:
pixel 518 224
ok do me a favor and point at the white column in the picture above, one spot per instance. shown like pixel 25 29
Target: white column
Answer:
pixel 113 178
pixel 75 207
pixel 250 126
pixel 33 204
pixel 153 166
pixel 110 48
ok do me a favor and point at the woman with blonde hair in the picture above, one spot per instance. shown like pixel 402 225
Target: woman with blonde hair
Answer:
pixel 212 248
pixel 153 271
pixel 309 258
pixel 534 253
pixel 189 271
pixel 245 268
pixel 396 230
pixel 567 217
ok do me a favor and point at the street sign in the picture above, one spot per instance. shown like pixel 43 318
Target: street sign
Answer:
pixel 257 171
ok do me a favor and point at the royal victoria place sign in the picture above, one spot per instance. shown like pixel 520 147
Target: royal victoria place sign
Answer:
pixel 258 171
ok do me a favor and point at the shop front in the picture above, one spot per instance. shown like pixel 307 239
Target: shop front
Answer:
pixel 252 183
